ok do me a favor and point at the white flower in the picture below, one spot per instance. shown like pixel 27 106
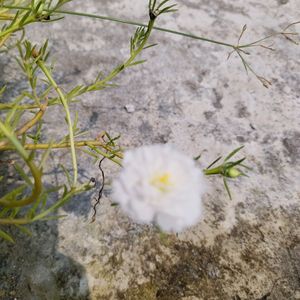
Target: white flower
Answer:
pixel 159 184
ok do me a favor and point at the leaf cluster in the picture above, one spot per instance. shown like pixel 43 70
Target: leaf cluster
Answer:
pixel 27 199
pixel 228 169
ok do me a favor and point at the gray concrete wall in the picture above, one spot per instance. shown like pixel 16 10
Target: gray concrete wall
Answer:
pixel 187 94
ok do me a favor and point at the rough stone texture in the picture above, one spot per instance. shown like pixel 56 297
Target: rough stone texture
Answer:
pixel 190 95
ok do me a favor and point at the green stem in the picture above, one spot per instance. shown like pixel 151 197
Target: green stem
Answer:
pixel 7 106
pixel 9 221
pixel 64 102
pixel 260 40
pixel 128 22
pixel 64 199
pixel 214 171
pixel 107 155
pixel 37 189
pixel 17 26
pixel 110 154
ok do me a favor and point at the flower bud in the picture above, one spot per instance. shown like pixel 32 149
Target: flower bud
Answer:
pixel 35 53
pixel 233 173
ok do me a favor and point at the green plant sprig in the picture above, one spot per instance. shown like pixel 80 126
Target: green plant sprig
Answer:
pixel 34 12
pixel 241 52
pixel 138 43
pixel 41 57
pixel 31 59
pixel 44 214
pixel 228 169
pixel 238 48
pixel 38 57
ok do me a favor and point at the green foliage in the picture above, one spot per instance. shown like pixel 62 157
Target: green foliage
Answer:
pixel 28 202
pixel 228 169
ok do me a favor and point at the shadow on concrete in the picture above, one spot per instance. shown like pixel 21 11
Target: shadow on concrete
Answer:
pixel 33 268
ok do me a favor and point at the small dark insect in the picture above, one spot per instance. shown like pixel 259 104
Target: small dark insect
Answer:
pixel 45 18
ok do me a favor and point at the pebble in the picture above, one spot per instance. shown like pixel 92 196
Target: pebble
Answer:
pixel 130 108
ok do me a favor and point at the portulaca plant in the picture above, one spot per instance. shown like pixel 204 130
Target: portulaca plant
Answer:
pixel 160 185
pixel 157 184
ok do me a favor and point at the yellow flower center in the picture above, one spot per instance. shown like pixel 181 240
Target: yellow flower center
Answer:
pixel 162 182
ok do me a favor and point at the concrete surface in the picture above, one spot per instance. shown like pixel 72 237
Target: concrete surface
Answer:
pixel 190 95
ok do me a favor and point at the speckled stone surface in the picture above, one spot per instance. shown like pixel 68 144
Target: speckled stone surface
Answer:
pixel 187 94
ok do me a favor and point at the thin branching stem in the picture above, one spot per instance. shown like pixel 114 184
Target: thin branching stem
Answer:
pixel 78 144
pixel 64 102
pixel 128 22
pixel 8 106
